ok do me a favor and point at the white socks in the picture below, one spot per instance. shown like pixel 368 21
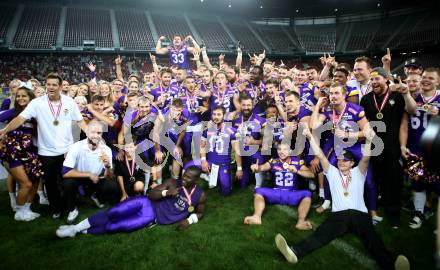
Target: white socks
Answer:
pixel 13 199
pixel 82 226
pixel 419 201
pixel 258 179
pixel 321 193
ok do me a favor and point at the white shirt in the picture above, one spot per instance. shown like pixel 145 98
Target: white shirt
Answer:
pixel 53 140
pixel 362 89
pixel 81 158
pixel 355 198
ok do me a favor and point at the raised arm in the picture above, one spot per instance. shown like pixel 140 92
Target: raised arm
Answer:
pixel 118 63
pixel 317 150
pixel 366 152
pixel 159 49
pixel 239 59
pixel 206 58
pixel 195 47
pixel 386 61
pixel 316 119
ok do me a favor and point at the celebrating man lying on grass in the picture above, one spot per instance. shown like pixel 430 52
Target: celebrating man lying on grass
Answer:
pixel 349 213
pixel 285 169
pixel 175 201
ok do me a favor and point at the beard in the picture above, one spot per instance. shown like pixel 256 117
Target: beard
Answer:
pixel 247 113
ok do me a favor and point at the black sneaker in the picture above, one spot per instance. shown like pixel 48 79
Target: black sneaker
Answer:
pixel 417 220
pixel 318 202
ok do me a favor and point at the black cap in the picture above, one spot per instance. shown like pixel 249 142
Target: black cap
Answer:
pixel 347 155
pixel 379 71
pixel 413 62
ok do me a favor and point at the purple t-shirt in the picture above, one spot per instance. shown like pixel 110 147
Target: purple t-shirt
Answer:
pixel 179 56
pixel 174 209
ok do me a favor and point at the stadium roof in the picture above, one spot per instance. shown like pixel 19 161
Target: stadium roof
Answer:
pixel 258 8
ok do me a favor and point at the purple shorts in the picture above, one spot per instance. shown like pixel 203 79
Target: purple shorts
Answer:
pixel 283 196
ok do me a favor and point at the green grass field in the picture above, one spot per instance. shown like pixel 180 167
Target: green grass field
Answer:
pixel 218 241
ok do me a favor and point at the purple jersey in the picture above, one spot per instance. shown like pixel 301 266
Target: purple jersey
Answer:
pixel 191 103
pixel 218 144
pixel 252 127
pixel 418 122
pixel 348 123
pixel 303 112
pixel 170 92
pixel 223 99
pixel 256 92
pixel 179 56
pixel 174 209
pixel 307 94
pixel 285 179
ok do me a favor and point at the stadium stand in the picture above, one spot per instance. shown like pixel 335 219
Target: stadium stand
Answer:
pixel 317 38
pixel 134 31
pixel 38 28
pixel 277 40
pixel 242 33
pixel 170 25
pixel 88 24
pixel 6 15
pixel 212 33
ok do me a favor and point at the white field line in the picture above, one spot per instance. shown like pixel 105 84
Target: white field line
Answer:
pixel 339 244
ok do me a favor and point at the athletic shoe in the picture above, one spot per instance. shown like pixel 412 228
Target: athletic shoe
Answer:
pixel 319 202
pixel 72 216
pixel 285 249
pixel 34 214
pixel 376 220
pixel 417 220
pixel 56 215
pixel 401 263
pixel 97 202
pixel 68 231
pixel 44 200
pixel 23 215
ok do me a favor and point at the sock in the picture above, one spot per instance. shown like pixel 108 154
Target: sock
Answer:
pixel 41 194
pixel 419 201
pixel 19 208
pixel 12 198
pixel 83 225
pixel 321 193
pixel 27 206
pixel 258 179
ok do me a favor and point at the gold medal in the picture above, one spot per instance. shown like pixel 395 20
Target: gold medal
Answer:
pixel 379 115
pixel 55 123
pixel 346 193
pixel 425 107
pixel 285 166
pixel 132 179
pixel 191 209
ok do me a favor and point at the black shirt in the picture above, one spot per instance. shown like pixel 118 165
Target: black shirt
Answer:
pixel 122 170
pixel 392 116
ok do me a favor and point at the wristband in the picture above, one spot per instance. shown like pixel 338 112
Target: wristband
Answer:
pixel 164 192
pixel 239 168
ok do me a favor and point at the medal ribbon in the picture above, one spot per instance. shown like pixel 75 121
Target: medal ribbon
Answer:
pixel 53 111
pixel 430 100
pixel 335 119
pixel 384 101
pixel 345 183
pixel 130 169
pixel 188 195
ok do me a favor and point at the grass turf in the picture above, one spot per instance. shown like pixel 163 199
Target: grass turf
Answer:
pixel 218 241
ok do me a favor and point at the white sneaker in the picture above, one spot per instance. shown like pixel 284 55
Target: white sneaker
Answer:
pixel 285 249
pixel 34 214
pixel 44 200
pixel 97 202
pixel 402 263
pixel 68 231
pixel 72 216
pixel 24 216
pixel 56 215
